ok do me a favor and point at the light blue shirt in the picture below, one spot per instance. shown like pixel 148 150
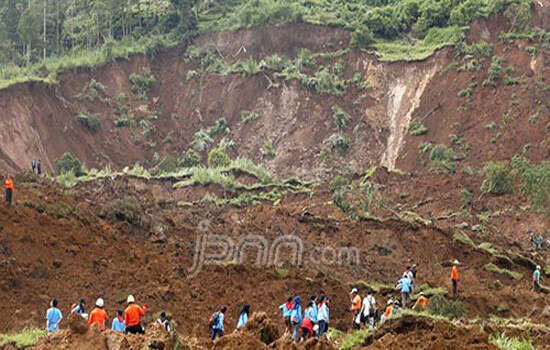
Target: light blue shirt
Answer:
pixel 286 312
pixel 219 325
pixel 311 314
pixel 296 314
pixel 118 325
pixel 242 320
pixel 54 316
pixel 405 285
pixel 323 313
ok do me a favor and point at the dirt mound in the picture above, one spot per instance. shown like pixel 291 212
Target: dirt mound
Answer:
pixel 410 332
pixel 239 340
pixel 93 339
pixel 77 324
pixel 262 327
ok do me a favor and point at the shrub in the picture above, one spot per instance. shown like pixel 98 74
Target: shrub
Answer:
pixel 493 74
pixel 217 158
pixel 338 182
pixel 248 116
pixel 361 38
pixel 219 128
pixel 341 117
pixel 505 343
pixel 23 339
pixel 190 159
pixel 126 209
pixel 68 163
pixel 536 183
pixel 425 147
pixel 442 158
pixel 92 122
pixel 498 179
pixel 508 273
pixel 340 143
pixel 463 238
pixel 201 141
pixel 417 128
pixel 439 305
pixel 269 150
pixel 142 84
pixel 125 121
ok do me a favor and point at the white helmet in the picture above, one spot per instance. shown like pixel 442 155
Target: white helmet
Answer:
pixel 390 301
pixel 99 302
pixel 131 299
pixel 538 267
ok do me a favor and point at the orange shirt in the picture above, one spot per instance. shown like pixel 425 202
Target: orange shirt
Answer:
pixel 98 316
pixel 422 301
pixel 356 303
pixel 454 273
pixel 133 313
pixel 388 312
pixel 9 184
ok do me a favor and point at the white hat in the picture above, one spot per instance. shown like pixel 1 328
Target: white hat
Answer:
pixel 390 301
pixel 354 290
pixel 538 267
pixel 455 262
pixel 99 302
pixel 131 299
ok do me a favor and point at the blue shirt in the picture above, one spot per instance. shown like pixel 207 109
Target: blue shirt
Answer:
pixel 242 320
pixel 118 325
pixel 322 315
pixel 286 312
pixel 54 316
pixel 296 315
pixel 311 314
pixel 405 285
pixel 219 325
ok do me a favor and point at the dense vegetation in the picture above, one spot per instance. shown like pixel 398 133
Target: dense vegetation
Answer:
pixel 39 38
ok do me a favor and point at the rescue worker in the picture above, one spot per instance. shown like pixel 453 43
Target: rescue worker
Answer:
pixel 389 310
pixel 356 308
pixel 536 279
pixel 8 183
pixel 98 315
pixel 454 278
pixel 422 302
pixel 132 316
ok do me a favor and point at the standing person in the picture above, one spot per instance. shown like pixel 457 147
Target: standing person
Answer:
pixel 356 308
pixel 216 323
pixel 322 315
pixel 286 308
pixel 79 308
pixel 296 318
pixel 53 317
pixel 118 322
pixel 132 316
pixel 33 165
pixel 8 183
pixel 243 316
pixel 98 315
pixel 39 167
pixel 164 321
pixel 405 284
pixel 536 279
pixel 454 278
pixel 368 309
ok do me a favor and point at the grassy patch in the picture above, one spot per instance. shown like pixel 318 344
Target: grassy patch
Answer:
pixel 505 272
pixel 507 343
pixel 463 238
pixel 23 339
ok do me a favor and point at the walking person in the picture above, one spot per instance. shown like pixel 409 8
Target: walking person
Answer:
pixel 536 279
pixel 405 284
pixel 33 165
pixel 296 318
pixel 216 323
pixel 355 308
pixel 98 315
pixel 133 315
pixel 368 309
pixel 286 309
pixel 454 278
pixel 8 183
pixel 322 315
pixel 39 168
pixel 53 317
pixel 243 316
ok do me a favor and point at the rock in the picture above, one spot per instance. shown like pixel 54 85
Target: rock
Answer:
pixel 262 327
pixel 77 324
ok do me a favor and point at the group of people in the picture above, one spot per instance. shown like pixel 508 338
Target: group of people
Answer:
pixel 313 322
pixel 36 166
pixel 127 321
pixel 216 324
pixel 538 242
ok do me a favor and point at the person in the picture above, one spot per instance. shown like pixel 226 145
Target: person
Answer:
pixel 286 308
pixel 118 322
pixel 405 285
pixel 53 317
pixel 163 320
pixel 243 316
pixel 355 308
pixel 33 165
pixel 414 269
pixel 39 167
pixel 8 182
pixel 296 318
pixel 389 310
pixel 216 323
pixel 98 315
pixel 422 302
pixel 368 309
pixel 454 278
pixel 79 308
pixel 408 273
pixel 322 315
pixel 132 316
pixel 307 324
pixel 536 279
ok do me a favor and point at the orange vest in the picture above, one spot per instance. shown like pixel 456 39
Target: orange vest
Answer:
pixel 133 313
pixel 98 316
pixel 454 273
pixel 9 184
pixel 356 303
